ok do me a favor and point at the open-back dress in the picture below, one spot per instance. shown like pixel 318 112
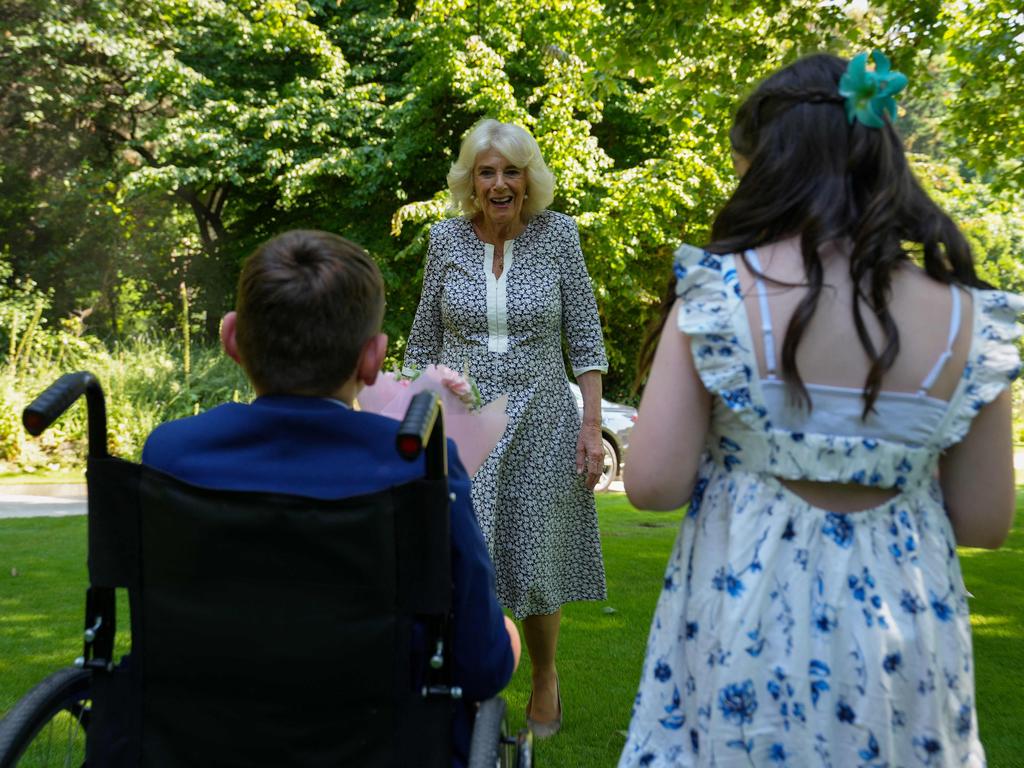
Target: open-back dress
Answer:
pixel 790 635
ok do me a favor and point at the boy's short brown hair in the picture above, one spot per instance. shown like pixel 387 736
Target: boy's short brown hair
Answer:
pixel 307 302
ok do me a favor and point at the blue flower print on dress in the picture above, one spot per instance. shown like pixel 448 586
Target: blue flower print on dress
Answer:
pixel 911 603
pixel 941 608
pixel 964 721
pixel 777 753
pixel 711 261
pixel 729 445
pixel 725 580
pixel 697 496
pixel 662 672
pixel 845 713
pixel 928 750
pixel 819 672
pixel 892 662
pixel 674 718
pixel 926 685
pixel 862 589
pixel 871 750
pixel 745 745
pixel 671 583
pixel 782 691
pixel 737 398
pixel 757 641
pixel 825 619
pixel 718 656
pixel 738 702
pixel 801 557
pixel 840 528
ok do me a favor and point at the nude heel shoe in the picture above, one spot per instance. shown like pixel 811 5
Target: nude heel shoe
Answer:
pixel 550 727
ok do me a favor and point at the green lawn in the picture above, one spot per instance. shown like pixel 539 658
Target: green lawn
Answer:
pixel 42 576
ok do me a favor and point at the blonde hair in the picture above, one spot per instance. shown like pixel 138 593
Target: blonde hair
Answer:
pixel 518 147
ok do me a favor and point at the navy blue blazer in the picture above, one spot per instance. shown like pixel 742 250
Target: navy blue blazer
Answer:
pixel 321 448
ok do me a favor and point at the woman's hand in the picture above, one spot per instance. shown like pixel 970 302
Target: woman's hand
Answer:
pixel 589 449
pixel 590 453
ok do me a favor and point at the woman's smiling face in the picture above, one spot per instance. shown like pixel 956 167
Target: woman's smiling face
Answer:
pixel 499 187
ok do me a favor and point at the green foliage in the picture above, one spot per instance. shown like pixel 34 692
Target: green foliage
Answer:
pixel 992 222
pixel 146 145
pixel 986 110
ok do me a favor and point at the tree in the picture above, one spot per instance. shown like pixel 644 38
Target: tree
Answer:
pixel 143 145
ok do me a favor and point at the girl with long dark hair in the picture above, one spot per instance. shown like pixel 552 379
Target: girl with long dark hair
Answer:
pixel 830 394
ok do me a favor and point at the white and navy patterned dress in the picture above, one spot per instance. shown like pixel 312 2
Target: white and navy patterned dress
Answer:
pixel 787 635
pixel 536 514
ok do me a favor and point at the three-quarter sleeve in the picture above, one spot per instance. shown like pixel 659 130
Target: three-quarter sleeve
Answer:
pixel 579 309
pixel 424 346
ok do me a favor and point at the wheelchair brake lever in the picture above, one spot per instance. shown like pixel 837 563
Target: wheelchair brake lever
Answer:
pixel 90 633
pixel 437 660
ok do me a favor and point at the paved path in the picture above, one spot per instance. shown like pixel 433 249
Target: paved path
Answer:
pixel 41 500
pixel 61 500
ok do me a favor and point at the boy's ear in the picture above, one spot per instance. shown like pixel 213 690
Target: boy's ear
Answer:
pixel 227 336
pixel 371 358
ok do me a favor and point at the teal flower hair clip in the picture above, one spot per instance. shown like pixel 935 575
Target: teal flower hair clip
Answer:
pixel 869 95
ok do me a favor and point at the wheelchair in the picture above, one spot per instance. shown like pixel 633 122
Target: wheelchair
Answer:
pixel 291 646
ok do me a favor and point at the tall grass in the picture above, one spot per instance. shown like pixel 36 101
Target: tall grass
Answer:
pixel 145 380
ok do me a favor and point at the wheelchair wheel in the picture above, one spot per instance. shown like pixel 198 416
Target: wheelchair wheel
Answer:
pixel 521 754
pixel 485 750
pixel 491 746
pixel 47 725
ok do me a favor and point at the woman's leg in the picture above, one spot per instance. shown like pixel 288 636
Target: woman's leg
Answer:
pixel 541 634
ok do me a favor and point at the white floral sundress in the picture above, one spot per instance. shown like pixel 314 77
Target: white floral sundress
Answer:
pixel 788 635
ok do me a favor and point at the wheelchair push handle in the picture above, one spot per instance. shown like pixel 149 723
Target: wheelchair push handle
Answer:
pixel 419 420
pixel 423 429
pixel 60 396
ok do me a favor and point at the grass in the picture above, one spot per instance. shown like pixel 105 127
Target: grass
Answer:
pixel 42 477
pixel 601 644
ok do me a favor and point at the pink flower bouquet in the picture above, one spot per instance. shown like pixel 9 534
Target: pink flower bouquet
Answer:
pixel 475 428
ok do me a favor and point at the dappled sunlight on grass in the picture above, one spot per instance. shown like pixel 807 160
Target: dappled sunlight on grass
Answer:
pixel 1010 553
pixel 996 626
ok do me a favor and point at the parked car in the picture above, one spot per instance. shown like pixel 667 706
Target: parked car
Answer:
pixel 616 424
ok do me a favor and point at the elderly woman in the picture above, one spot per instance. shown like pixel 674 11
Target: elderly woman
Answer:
pixel 502 283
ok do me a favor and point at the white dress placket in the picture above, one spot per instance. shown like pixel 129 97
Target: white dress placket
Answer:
pixel 497 299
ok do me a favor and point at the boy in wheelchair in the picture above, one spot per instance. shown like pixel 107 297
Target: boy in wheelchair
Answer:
pixel 307 333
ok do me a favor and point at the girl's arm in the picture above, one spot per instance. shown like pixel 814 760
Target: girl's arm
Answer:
pixel 977 478
pixel 667 442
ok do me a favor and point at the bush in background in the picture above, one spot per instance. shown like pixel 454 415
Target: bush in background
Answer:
pixel 147 380
pixel 146 383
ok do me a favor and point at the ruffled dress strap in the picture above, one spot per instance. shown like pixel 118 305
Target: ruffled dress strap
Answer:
pixel 711 314
pixel 992 364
